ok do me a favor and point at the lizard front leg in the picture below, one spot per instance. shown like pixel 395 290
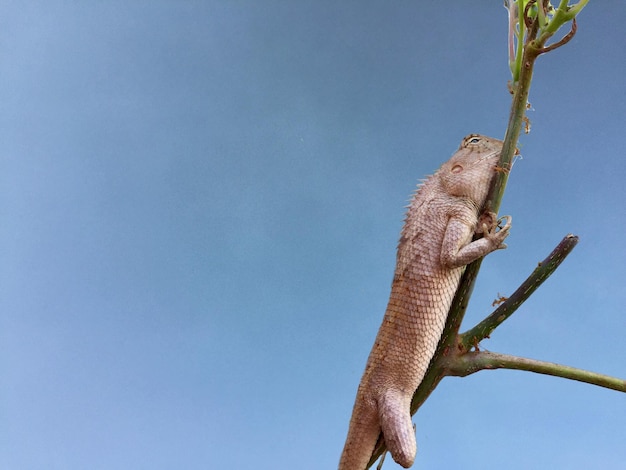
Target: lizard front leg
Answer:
pixel 455 250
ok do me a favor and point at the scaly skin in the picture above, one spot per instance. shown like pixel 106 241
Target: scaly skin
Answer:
pixel 435 246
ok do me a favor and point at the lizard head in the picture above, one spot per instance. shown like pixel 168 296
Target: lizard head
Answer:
pixel 469 171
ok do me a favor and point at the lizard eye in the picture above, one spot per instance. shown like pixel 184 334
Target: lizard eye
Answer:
pixel 474 140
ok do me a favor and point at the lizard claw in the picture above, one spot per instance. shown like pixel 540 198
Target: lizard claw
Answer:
pixel 496 232
pixel 507 225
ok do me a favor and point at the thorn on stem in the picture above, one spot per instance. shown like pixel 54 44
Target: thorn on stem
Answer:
pixel 526 125
pixel 501 298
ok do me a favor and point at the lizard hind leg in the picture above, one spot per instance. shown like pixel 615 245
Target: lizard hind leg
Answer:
pixel 397 427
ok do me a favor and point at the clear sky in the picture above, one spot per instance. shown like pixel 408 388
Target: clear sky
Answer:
pixel 200 203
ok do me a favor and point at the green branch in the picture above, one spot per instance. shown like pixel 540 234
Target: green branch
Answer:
pixel 543 270
pixel 484 360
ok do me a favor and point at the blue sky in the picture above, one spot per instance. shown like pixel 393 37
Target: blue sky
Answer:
pixel 200 205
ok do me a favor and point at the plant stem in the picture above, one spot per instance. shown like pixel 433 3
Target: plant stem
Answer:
pixel 484 360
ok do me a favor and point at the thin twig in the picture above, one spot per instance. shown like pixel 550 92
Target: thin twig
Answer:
pixel 543 270
pixel 472 362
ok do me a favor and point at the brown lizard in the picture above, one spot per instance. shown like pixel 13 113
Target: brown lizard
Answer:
pixel 435 246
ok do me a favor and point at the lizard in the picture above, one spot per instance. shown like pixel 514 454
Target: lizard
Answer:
pixel 436 243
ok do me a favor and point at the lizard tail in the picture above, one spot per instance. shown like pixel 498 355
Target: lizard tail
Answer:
pixel 362 437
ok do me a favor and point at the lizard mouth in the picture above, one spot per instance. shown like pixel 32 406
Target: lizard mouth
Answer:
pixel 489 156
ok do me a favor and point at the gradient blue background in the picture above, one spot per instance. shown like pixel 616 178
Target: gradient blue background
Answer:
pixel 200 203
